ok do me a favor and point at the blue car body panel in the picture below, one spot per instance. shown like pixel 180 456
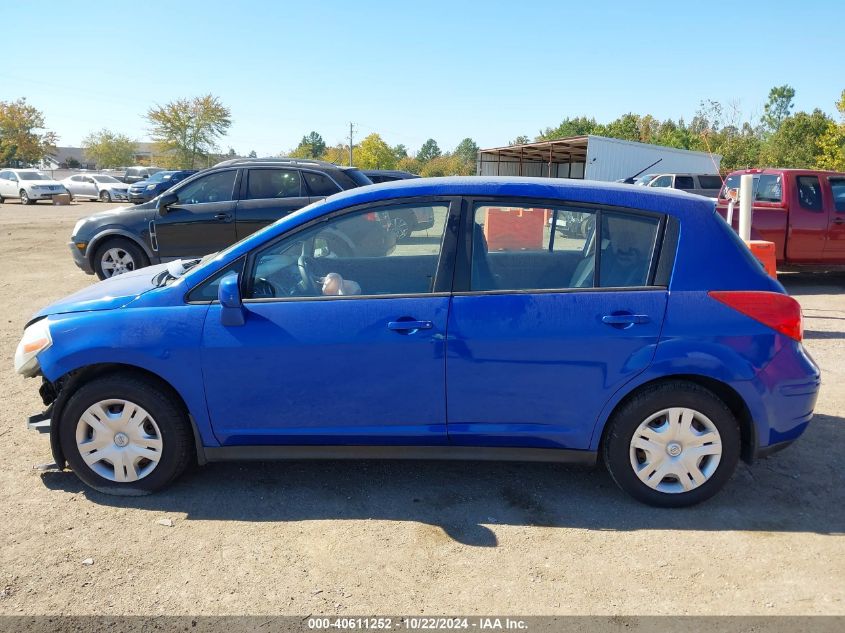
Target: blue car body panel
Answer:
pixel 499 369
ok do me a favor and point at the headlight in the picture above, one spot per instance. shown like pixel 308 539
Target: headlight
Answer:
pixel 150 187
pixel 36 338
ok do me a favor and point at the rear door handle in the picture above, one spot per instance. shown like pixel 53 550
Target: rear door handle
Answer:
pixel 839 221
pixel 406 327
pixel 223 217
pixel 625 319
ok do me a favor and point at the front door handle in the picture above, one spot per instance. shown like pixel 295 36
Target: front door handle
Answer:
pixel 625 320
pixel 223 217
pixel 839 221
pixel 408 327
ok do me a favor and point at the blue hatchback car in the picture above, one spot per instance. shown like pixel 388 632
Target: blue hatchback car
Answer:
pixel 650 339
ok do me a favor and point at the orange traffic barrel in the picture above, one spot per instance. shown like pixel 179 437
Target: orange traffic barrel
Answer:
pixel 765 252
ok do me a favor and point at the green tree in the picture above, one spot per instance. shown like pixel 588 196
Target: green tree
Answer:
pixel 406 163
pixel 311 146
pixel 578 126
pixel 428 151
pixel 832 142
pixel 23 138
pixel 777 108
pixel 187 130
pixel 796 141
pixel 374 153
pixel 400 151
pixel 252 154
pixel 109 149
pixel 520 140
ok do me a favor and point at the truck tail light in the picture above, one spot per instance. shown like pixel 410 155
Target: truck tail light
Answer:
pixel 780 312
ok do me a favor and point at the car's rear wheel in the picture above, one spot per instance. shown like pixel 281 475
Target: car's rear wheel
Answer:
pixel 105 196
pixel 673 444
pixel 25 199
pixel 118 256
pixel 124 434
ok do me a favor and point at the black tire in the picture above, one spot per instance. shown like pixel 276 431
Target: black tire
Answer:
pixel 136 252
pixel 626 420
pixel 25 199
pixel 105 196
pixel 177 451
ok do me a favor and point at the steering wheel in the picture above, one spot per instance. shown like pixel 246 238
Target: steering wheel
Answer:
pixel 263 289
pixel 308 281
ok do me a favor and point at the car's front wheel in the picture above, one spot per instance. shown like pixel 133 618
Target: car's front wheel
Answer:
pixel 25 199
pixel 118 256
pixel 125 434
pixel 105 196
pixel 673 444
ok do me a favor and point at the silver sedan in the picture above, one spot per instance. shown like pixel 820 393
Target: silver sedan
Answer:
pixel 96 187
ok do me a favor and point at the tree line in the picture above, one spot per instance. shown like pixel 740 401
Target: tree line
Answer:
pixel 186 133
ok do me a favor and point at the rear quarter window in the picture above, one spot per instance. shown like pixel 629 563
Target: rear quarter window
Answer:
pixel 710 182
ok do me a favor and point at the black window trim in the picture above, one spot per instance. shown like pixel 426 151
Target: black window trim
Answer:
pixel 445 263
pixel 463 264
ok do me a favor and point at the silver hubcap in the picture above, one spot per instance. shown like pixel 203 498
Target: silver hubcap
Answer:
pixel 116 261
pixel 676 450
pixel 119 440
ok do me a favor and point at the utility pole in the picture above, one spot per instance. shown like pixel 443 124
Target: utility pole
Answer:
pixel 350 143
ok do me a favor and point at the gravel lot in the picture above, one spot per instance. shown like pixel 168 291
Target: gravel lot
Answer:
pixel 406 537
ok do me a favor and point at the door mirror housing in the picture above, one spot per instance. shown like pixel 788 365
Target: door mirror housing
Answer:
pixel 165 201
pixel 231 306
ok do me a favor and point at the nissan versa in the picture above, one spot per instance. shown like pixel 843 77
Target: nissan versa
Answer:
pixel 653 342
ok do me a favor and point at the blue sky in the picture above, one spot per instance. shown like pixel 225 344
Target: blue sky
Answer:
pixel 410 70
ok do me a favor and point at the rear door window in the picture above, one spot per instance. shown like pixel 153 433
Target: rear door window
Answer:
pixel 837 187
pixel 547 248
pixel 264 184
pixel 684 182
pixel 319 184
pixel 809 193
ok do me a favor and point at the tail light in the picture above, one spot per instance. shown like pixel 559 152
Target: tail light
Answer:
pixel 780 312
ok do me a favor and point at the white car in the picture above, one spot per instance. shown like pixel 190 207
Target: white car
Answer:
pixel 30 185
pixel 96 187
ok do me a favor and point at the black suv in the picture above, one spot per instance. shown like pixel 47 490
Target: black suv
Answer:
pixel 205 213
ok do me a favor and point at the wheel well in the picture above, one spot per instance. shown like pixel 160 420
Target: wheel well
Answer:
pixel 721 390
pixel 93 248
pixel 72 381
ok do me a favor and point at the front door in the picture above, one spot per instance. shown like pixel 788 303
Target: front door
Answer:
pixel 268 194
pixel 537 343
pixel 202 220
pixel 343 340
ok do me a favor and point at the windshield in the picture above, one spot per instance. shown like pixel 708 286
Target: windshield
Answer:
pixel 161 176
pixel 767 187
pixel 32 175
pixel 105 179
pixel 644 180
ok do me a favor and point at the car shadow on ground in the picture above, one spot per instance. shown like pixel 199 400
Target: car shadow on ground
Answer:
pixel 813 283
pixel 798 490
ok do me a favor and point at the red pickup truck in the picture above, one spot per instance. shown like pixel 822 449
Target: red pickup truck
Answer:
pixel 801 210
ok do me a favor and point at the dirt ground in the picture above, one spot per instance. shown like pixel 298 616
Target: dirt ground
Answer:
pixel 393 538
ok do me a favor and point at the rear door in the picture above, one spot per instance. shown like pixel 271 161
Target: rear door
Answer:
pixel 267 194
pixel 835 246
pixel 202 220
pixel 808 220
pixel 536 345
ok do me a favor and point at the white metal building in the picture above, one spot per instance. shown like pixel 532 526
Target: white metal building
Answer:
pixel 592 157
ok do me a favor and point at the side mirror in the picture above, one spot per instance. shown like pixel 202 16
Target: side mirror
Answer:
pixel 165 201
pixel 231 306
